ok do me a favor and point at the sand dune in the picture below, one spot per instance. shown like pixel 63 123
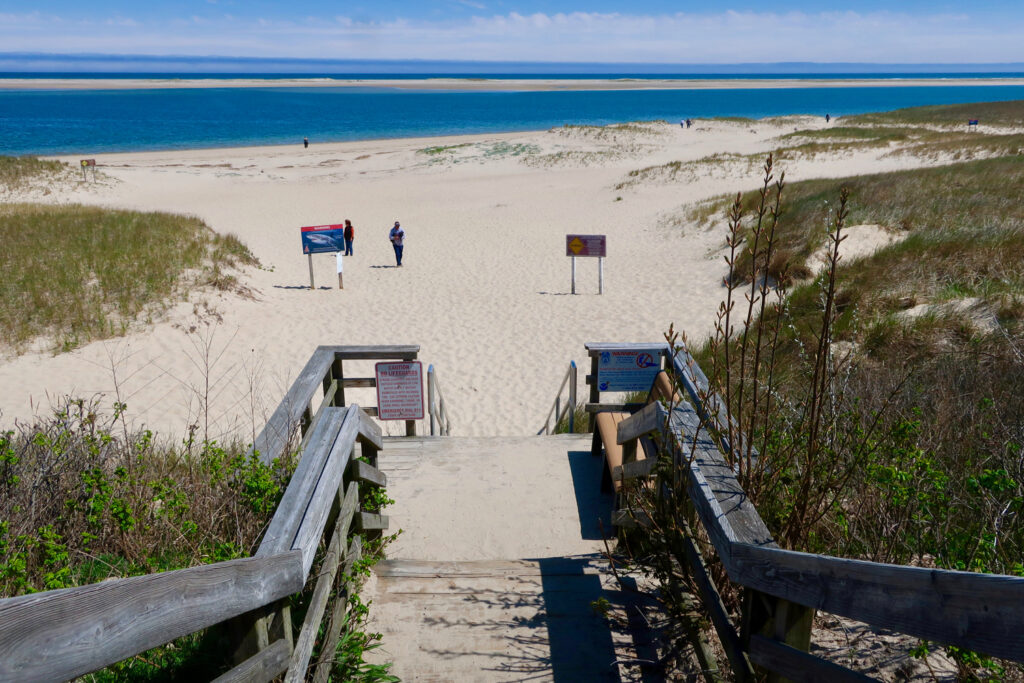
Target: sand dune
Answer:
pixel 485 285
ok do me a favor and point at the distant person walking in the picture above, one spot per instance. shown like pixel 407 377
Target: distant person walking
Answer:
pixel 305 142
pixel 350 235
pixel 828 118
pixel 397 237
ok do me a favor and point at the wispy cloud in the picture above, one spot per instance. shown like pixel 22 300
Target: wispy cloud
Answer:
pixel 722 37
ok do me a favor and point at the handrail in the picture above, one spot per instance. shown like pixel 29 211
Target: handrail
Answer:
pixel 440 423
pixel 969 610
pixel 570 405
pixel 61 634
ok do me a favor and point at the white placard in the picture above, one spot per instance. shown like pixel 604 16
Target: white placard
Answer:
pixel 399 390
pixel 339 259
pixel 628 370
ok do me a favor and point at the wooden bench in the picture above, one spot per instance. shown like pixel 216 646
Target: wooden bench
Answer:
pixel 606 429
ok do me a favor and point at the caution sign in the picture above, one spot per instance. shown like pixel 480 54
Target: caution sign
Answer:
pixel 586 245
pixel 399 390
pixel 627 370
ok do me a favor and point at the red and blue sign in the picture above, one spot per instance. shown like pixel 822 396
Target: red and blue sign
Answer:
pixel 320 239
pixel 632 370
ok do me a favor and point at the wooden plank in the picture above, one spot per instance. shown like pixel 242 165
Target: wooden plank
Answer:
pixel 286 520
pixel 722 504
pixel 361 471
pixel 980 612
pixel 630 519
pixel 322 592
pixel 652 418
pixel 67 633
pixel 367 521
pixel 328 400
pixel 323 666
pixel 359 382
pixel 595 348
pixel 371 411
pixel 324 491
pixel 384 352
pixel 274 438
pixel 800 666
pixel 369 431
pixel 635 470
pixel 261 668
pixel 613 407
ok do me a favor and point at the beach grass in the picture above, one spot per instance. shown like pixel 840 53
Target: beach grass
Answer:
pixel 988 113
pixel 17 172
pixel 73 274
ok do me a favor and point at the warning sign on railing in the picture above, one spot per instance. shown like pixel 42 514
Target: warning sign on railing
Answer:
pixel 628 370
pixel 399 390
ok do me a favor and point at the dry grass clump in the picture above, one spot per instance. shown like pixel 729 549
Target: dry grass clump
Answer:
pixel 17 172
pixel 74 273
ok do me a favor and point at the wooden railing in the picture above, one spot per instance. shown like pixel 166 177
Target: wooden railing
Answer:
pixel 782 588
pixel 61 634
pixel 557 410
pixel 437 409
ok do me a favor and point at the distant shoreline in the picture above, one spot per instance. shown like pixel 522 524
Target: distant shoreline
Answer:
pixel 488 84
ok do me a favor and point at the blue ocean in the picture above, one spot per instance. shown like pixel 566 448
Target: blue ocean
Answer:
pixel 94 121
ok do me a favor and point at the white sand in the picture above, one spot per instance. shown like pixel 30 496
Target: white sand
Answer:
pixel 485 286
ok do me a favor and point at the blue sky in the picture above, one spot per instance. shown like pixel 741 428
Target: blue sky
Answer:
pixel 652 31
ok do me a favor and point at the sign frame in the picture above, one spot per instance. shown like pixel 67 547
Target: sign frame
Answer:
pixel 400 412
pixel 627 369
pixel 594 246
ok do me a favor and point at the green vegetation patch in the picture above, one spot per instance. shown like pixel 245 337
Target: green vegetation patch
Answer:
pixel 442 149
pixel 75 273
pixel 988 113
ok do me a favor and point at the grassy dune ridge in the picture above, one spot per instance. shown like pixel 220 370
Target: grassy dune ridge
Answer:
pixel 73 274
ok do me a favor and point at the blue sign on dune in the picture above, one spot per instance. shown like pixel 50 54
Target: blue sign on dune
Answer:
pixel 319 239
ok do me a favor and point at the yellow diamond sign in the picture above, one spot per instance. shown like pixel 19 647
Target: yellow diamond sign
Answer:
pixel 576 245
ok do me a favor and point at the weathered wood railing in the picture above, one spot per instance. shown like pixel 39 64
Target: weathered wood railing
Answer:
pixel 558 410
pixel 437 409
pixel 61 634
pixel 782 589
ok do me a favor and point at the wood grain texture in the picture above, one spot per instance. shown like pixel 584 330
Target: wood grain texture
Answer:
pixel 337 620
pixel 652 418
pixel 261 668
pixel 799 666
pixel 363 472
pixel 369 431
pixel 383 352
pixel 274 438
pixel 68 633
pixel 322 592
pixel 290 511
pixel 367 521
pixel 325 489
pixel 981 612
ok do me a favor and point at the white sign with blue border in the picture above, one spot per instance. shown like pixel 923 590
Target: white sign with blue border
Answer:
pixel 627 370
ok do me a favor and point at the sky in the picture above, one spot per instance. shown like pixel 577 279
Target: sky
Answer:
pixel 643 31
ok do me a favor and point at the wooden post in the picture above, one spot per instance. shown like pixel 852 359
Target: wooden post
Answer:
pixel 777 619
pixel 573 274
pixel 572 396
pixel 600 275
pixel 595 392
pixel 430 397
pixel 339 258
pixel 310 270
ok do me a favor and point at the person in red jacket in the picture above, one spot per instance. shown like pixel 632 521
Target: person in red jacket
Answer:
pixel 350 235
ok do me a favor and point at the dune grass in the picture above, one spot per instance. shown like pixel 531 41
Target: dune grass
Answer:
pixel 73 274
pixel 989 113
pixel 16 172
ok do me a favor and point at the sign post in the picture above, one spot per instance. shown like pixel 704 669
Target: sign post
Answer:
pixel 400 392
pixel 587 245
pixel 87 164
pixel 341 282
pixel 319 239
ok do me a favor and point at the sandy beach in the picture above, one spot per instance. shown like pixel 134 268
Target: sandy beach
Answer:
pixel 484 289
pixel 488 84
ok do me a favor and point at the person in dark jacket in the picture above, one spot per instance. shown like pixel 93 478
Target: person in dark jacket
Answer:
pixel 350 235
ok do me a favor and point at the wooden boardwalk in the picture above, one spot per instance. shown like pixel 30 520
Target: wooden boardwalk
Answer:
pixel 495 572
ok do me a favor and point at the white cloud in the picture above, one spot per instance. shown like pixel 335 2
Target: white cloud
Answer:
pixel 724 37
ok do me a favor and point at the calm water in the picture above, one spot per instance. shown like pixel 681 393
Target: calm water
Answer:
pixel 73 122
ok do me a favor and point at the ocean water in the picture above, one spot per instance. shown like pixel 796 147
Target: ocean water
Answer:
pixel 94 121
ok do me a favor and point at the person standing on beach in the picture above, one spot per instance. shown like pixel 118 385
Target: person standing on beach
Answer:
pixel 350 235
pixel 305 142
pixel 397 237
